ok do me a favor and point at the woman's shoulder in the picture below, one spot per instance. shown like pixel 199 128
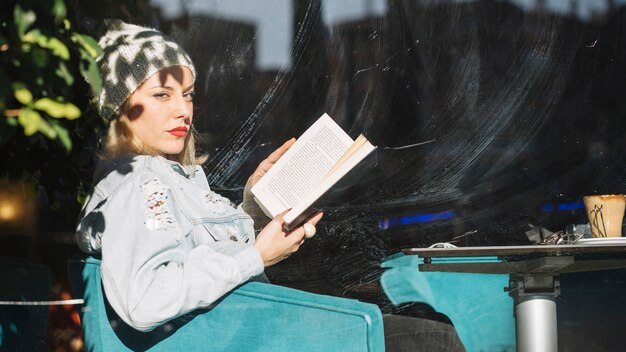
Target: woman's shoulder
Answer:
pixel 111 175
pixel 122 167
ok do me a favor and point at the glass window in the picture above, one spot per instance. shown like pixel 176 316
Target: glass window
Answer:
pixel 492 118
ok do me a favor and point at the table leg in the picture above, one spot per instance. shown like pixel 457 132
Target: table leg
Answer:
pixel 535 324
pixel 535 311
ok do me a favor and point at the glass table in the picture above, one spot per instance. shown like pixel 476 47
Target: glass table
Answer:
pixel 534 278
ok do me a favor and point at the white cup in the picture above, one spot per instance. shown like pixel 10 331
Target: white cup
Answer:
pixel 605 214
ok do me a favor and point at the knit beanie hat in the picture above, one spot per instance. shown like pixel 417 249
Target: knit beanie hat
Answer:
pixel 130 55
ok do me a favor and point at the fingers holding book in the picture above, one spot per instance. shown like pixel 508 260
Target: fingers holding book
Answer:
pixel 309 230
pixel 275 244
pixel 309 226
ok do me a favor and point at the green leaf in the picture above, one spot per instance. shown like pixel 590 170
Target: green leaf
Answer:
pixel 32 36
pixel 88 43
pixel 30 120
pixel 58 10
pixel 21 93
pixel 64 73
pixel 57 109
pixel 39 57
pixel 53 44
pixel 72 111
pixel 58 48
pixel 23 19
pixel 46 129
pixel 64 136
pixel 90 71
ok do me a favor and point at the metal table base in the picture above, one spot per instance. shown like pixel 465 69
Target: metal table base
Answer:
pixel 534 279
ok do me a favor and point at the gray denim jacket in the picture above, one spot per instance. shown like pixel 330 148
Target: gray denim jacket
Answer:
pixel 169 244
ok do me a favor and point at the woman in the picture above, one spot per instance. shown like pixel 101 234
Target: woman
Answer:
pixel 169 244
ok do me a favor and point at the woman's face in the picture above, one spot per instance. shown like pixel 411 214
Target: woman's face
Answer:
pixel 161 110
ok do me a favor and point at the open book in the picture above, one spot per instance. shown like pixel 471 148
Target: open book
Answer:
pixel 319 158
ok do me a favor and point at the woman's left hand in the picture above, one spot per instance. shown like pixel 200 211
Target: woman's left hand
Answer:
pixel 249 205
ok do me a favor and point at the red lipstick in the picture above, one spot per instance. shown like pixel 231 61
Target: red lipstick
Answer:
pixel 179 131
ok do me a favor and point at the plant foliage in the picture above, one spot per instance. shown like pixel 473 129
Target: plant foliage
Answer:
pixel 47 75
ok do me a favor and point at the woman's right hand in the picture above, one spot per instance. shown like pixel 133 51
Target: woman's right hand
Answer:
pixel 274 244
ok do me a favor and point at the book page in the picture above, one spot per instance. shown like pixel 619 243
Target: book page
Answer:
pixel 358 144
pixel 303 167
pixel 357 154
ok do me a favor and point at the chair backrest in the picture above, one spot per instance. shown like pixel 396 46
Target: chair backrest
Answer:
pixel 254 317
pixel 477 305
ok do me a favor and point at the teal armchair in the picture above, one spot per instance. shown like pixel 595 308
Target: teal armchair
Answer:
pixel 254 317
pixel 477 305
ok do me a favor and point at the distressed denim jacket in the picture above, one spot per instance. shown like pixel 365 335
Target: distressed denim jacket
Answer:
pixel 169 244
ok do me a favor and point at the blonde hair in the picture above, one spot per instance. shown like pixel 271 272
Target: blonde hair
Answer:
pixel 120 140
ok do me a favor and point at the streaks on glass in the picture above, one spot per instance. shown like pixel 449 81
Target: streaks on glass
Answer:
pixel 519 96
